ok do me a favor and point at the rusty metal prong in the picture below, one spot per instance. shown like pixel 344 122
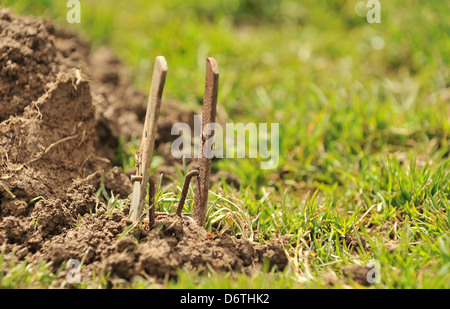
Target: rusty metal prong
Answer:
pixel 204 162
pixel 151 202
pixel 184 192
pixel 145 153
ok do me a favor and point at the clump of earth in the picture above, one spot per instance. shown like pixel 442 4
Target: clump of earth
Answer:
pixel 63 110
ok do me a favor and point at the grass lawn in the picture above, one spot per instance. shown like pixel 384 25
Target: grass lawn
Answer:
pixel 364 114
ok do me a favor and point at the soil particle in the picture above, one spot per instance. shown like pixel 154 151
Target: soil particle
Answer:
pixel 118 182
pixel 273 253
pixel 353 242
pixel 48 145
pixel 329 278
pixel 392 246
pixel 27 58
pixel 89 240
pixel 358 273
pixel 15 208
pixel 14 229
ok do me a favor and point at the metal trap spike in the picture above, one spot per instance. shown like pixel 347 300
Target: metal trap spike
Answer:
pixel 145 152
pixel 204 162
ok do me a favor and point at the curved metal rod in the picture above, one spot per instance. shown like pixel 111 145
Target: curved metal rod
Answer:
pixel 185 190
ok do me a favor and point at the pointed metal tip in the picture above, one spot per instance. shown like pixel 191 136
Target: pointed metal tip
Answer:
pixel 212 64
pixel 161 62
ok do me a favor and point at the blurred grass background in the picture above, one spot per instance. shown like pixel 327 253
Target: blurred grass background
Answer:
pixel 319 69
pixel 343 90
pixel 363 108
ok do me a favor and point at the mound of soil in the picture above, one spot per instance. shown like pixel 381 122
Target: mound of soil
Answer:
pixel 63 110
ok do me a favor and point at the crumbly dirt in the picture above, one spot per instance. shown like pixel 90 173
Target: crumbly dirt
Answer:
pixel 63 109
pixel 359 273
pixel 174 243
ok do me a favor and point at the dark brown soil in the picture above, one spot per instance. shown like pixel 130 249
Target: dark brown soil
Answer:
pixel 63 109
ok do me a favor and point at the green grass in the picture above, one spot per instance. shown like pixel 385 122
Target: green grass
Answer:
pixel 364 132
